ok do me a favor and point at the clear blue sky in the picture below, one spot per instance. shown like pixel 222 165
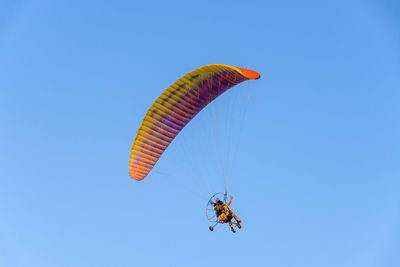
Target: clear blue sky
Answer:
pixel 316 178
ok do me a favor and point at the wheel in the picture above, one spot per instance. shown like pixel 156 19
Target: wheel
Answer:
pixel 210 211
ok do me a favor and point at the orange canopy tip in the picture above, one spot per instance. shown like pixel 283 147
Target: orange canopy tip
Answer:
pixel 136 177
pixel 250 74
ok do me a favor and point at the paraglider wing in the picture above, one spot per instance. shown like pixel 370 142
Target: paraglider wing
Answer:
pixel 175 107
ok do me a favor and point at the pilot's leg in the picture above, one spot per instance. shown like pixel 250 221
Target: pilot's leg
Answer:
pixel 234 216
pixel 233 230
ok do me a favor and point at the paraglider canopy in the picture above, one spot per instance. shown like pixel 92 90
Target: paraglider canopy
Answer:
pixel 175 107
